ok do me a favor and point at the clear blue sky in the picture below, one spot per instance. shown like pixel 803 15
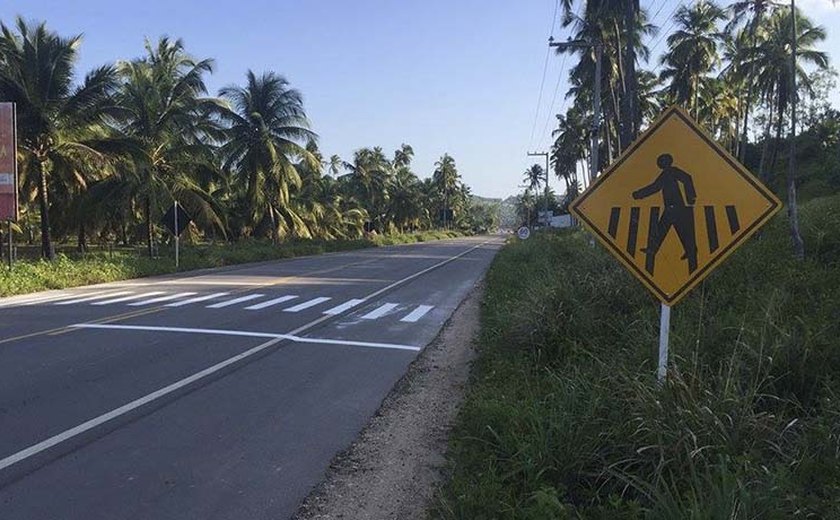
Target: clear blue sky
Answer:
pixel 456 76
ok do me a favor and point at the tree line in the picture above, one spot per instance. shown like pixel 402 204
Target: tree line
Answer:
pixel 730 67
pixel 103 158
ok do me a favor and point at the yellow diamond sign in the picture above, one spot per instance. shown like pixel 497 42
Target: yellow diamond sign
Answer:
pixel 674 206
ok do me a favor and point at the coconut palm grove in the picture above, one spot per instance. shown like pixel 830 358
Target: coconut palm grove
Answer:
pixel 104 153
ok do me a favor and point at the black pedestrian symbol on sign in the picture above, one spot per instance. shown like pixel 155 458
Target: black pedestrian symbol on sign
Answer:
pixel 678 197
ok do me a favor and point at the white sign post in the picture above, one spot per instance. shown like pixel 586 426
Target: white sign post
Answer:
pixel 664 333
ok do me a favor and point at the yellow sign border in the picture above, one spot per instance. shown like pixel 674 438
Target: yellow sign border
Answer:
pixel 701 274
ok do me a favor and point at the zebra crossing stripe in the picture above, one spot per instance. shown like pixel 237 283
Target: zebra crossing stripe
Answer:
pixel 417 313
pixel 197 299
pixel 129 298
pixel 732 216
pixel 711 228
pixel 349 304
pixel 305 305
pixel 380 311
pixel 162 299
pixel 90 298
pixel 615 215
pixel 633 232
pixel 269 303
pixel 234 301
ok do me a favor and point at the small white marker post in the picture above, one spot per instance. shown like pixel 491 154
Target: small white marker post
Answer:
pixel 664 330
pixel 177 236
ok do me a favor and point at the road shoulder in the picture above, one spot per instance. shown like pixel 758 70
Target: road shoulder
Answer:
pixel 393 469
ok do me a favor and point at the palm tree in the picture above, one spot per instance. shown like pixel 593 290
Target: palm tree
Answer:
pixel 166 123
pixel 534 177
pixel 267 129
pixel 446 180
pixel 54 117
pixel 368 181
pixel 771 62
pixel 757 9
pixel 692 52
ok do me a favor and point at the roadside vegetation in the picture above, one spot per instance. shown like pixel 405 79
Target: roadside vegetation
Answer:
pixel 565 419
pixel 103 154
pixel 72 269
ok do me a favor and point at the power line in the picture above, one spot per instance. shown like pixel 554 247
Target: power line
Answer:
pixel 545 70
pixel 659 10
pixel 557 87
pixel 666 31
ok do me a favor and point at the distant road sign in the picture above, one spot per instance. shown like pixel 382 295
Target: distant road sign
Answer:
pixel 523 233
pixel 183 221
pixel 674 206
pixel 8 163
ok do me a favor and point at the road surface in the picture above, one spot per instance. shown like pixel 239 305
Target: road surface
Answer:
pixel 221 394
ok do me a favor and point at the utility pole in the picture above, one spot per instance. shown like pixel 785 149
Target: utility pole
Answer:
pixel 545 197
pixel 598 47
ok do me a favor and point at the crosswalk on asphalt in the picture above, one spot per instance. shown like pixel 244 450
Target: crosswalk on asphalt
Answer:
pixel 292 303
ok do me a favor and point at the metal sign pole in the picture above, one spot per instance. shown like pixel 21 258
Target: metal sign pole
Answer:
pixel 664 332
pixel 177 236
pixel 11 247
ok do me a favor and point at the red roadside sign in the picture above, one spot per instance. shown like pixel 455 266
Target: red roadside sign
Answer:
pixel 8 163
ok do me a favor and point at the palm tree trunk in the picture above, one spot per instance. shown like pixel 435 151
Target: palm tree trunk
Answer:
pixel 149 227
pixel 762 166
pixel 748 99
pixel 81 244
pixel 47 251
pixel 630 117
pixel 793 210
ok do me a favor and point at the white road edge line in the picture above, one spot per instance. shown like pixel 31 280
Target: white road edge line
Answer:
pixel 126 408
pixel 417 313
pixel 97 421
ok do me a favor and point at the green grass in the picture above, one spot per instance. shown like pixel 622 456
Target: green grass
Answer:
pixel 71 270
pixel 564 419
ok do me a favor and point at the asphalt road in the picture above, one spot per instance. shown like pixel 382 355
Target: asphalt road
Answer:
pixel 221 394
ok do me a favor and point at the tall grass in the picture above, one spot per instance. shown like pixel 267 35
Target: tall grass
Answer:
pixel 564 418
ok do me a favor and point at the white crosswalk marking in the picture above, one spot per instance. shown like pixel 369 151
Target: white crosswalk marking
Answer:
pixel 92 297
pixel 129 298
pixel 417 313
pixel 380 311
pixel 197 299
pixel 163 299
pixel 234 301
pixel 349 304
pixel 269 303
pixel 305 305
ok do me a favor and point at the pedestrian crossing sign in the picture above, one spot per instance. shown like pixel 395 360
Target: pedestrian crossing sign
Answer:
pixel 674 206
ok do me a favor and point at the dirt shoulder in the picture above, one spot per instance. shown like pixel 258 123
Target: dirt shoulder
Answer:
pixel 396 464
